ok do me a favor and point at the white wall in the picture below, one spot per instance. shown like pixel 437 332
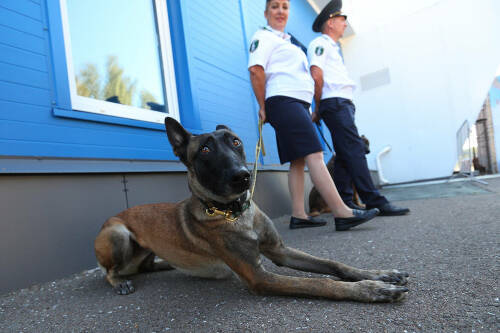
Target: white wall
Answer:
pixel 495 110
pixel 442 56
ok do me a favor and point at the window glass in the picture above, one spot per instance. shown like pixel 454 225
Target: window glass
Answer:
pixel 116 52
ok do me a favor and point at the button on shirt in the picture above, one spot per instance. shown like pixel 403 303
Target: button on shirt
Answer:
pixel 324 52
pixel 285 65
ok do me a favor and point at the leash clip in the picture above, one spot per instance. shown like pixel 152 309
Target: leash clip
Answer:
pixel 227 214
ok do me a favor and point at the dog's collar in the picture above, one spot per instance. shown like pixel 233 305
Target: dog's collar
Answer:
pixel 231 211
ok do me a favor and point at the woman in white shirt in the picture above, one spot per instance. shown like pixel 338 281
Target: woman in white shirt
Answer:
pixel 279 72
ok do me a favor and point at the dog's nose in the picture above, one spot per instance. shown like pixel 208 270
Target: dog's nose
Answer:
pixel 241 176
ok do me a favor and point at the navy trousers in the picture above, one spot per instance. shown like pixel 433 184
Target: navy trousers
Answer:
pixel 350 165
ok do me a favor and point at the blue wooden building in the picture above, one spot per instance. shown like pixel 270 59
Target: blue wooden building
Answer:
pixel 84 90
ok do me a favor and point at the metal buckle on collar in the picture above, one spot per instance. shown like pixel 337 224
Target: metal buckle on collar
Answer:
pixel 227 214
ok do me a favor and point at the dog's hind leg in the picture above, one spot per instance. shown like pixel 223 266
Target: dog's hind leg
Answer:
pixel 151 265
pixel 119 255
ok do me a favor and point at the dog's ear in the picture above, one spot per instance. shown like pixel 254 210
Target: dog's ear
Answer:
pixel 219 127
pixel 178 137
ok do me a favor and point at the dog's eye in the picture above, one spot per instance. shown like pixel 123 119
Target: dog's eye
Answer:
pixel 205 150
pixel 236 143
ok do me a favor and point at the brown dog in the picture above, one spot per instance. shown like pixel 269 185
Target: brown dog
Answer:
pixel 317 204
pixel 218 231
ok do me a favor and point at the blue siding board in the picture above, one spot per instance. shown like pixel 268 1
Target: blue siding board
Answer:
pixel 220 91
pixel 222 109
pixel 253 11
pixel 22 94
pixel 22 40
pixel 26 112
pixel 28 77
pixel 15 56
pixel 20 22
pixel 26 131
pixel 222 71
pixel 13 111
pixel 44 149
pixel 23 7
pixel 217 60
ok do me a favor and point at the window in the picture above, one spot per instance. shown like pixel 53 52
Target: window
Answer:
pixel 119 58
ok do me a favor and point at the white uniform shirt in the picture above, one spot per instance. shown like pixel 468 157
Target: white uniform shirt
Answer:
pixel 285 65
pixel 324 52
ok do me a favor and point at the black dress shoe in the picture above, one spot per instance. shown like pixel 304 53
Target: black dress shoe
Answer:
pixel 360 216
pixel 296 223
pixel 389 209
pixel 352 205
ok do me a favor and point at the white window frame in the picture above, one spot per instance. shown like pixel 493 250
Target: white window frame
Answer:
pixel 81 103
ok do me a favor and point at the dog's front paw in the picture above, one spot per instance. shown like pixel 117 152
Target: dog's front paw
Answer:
pixel 124 288
pixel 394 277
pixel 377 291
pixel 389 276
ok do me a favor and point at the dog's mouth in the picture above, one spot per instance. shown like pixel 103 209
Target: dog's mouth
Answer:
pixel 240 182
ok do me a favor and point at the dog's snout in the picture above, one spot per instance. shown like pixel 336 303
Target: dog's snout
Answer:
pixel 240 176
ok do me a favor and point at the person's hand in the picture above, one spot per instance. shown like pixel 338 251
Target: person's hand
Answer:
pixel 262 115
pixel 315 117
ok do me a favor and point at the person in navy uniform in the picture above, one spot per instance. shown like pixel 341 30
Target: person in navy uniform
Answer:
pixel 279 73
pixel 333 100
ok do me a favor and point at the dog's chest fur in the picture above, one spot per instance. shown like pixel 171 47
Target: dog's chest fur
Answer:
pixel 194 254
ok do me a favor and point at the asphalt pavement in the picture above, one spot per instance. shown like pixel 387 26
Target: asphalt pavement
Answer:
pixel 449 245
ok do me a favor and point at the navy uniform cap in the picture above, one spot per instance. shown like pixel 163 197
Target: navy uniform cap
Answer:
pixel 332 9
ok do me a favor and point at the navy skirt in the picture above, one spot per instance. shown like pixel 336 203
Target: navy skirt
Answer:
pixel 295 133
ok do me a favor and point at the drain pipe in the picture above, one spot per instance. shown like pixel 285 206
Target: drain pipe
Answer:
pixel 381 177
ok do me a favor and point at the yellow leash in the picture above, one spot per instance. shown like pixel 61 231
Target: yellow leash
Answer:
pixel 258 148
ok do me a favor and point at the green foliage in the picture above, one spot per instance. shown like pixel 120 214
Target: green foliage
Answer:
pixel 88 82
pixel 117 85
pixel 146 97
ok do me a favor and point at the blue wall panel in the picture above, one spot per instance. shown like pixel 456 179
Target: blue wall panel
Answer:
pixel 22 40
pixel 22 58
pixel 27 8
pixel 24 76
pixel 217 58
pixel 20 22
pixel 13 92
pixel 210 41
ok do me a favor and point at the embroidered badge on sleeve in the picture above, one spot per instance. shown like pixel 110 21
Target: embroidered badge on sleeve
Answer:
pixel 254 45
pixel 319 50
